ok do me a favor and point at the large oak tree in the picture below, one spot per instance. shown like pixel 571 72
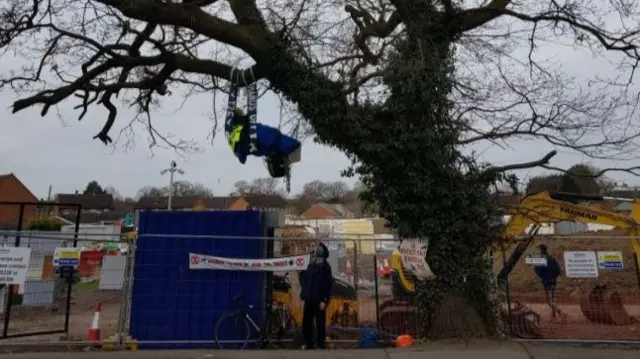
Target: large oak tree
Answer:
pixel 401 86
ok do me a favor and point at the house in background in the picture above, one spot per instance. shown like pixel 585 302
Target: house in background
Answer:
pixel 262 202
pixel 197 203
pixel 13 190
pixel 181 203
pixel 326 211
pixel 94 207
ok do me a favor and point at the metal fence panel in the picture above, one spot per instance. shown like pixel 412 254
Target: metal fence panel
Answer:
pixel 112 272
pixel 595 302
pixel 34 308
pixel 172 306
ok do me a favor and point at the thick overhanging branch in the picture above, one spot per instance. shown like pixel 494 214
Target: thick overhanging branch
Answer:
pixel 191 17
pixel 493 171
pixel 369 27
pixel 474 18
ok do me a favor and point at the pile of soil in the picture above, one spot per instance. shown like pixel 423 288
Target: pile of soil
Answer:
pixel 457 319
pixel 523 279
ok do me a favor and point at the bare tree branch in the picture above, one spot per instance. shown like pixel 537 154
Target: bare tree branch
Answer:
pixel 139 52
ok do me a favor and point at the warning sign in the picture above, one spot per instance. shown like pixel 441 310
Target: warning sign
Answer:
pixel 66 257
pixel 581 264
pixel 536 260
pixel 610 260
pixel 14 264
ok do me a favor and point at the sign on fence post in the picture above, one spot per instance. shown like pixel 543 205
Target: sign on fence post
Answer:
pixel 581 264
pixel 14 265
pixel 536 260
pixel 66 257
pixel 610 260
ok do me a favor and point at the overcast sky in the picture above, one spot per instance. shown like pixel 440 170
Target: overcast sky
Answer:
pixel 61 153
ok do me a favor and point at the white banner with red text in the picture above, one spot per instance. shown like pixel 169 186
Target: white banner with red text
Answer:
pixel 282 264
pixel 413 253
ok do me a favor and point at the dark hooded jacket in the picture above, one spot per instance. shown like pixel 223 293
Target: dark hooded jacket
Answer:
pixel 317 281
pixel 550 272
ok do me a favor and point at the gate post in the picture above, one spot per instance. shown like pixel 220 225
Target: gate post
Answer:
pixel 70 284
pixel 10 287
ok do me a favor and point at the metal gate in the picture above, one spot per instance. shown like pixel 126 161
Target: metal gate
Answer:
pixel 42 304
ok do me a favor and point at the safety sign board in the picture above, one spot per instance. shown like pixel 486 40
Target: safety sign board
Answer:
pixel 536 260
pixel 14 264
pixel 581 264
pixel 610 260
pixel 66 257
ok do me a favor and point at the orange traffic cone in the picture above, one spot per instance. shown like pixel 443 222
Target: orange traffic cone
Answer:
pixel 347 268
pixel 94 331
pixel 385 268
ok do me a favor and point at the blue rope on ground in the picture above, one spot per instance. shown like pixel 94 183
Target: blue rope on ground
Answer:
pixel 362 331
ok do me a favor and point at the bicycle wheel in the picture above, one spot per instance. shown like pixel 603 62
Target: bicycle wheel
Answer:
pixel 232 331
pixel 283 329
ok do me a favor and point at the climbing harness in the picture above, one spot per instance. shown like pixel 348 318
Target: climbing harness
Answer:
pixel 236 121
pixel 246 137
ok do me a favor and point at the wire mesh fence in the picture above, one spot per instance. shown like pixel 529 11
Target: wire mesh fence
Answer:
pixel 594 298
pixel 153 294
pixel 50 306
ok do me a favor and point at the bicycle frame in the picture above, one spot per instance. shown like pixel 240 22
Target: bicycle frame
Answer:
pixel 252 322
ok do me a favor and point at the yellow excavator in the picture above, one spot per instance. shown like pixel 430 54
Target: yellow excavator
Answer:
pixel 534 210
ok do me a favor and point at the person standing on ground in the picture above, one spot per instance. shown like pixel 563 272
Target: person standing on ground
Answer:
pixel 548 275
pixel 315 295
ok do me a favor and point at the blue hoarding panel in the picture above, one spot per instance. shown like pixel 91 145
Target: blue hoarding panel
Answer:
pixel 172 303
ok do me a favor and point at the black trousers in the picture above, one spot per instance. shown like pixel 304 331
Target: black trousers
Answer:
pixel 312 312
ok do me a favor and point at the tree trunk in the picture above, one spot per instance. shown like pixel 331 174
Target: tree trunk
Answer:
pixel 407 157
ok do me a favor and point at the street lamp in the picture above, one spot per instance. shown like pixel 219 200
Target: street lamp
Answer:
pixel 173 168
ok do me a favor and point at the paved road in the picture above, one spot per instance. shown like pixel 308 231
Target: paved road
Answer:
pixel 473 350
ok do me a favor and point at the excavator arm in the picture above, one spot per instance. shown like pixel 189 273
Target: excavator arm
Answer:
pixel 551 207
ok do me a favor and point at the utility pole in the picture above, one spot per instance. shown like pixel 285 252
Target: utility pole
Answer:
pixel 173 168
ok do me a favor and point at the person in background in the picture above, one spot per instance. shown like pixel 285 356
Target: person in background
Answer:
pixel 548 275
pixel 315 295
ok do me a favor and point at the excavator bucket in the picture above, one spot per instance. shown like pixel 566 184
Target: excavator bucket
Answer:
pixel 521 321
pixel 604 305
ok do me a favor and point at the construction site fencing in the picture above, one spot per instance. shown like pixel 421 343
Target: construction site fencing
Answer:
pixel 596 297
pixel 604 307
pixel 50 307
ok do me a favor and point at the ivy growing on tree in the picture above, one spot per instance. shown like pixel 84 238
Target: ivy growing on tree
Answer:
pixel 403 87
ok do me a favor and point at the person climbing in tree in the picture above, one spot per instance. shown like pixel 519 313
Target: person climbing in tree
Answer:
pixel 247 137
pixel 316 282
pixel 548 275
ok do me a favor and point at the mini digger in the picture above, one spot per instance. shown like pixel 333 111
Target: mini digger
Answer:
pixel 341 312
pixel 601 304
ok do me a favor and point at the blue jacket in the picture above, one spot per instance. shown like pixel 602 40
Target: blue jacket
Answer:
pixel 316 282
pixel 549 272
pixel 269 139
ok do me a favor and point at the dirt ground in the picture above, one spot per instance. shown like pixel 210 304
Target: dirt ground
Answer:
pixel 27 320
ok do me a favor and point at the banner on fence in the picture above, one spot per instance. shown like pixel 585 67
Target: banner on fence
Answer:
pixel 282 264
pixel 413 253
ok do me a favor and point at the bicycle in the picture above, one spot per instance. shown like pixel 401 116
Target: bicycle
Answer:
pixel 279 322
